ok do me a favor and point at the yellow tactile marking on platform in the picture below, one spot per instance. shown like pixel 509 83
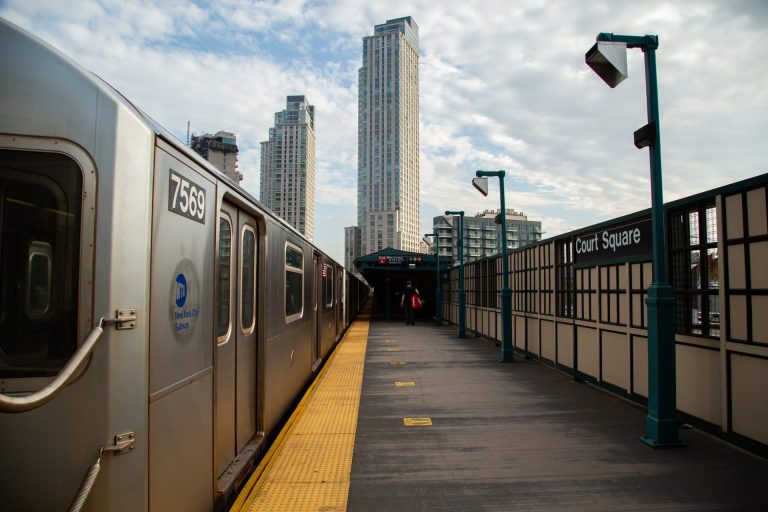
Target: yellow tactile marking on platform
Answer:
pixel 308 467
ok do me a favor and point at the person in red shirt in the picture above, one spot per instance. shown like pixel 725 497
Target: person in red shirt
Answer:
pixel 406 302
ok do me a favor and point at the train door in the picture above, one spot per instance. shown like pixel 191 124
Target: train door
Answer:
pixel 235 338
pixel 316 291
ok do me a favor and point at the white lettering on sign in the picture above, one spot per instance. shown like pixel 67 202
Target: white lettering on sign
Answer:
pixel 620 239
pixel 186 198
pixel 586 245
pixel 608 240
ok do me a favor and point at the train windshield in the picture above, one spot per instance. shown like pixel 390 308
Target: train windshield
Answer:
pixel 40 203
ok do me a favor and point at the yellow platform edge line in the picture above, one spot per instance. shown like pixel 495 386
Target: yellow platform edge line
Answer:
pixel 250 490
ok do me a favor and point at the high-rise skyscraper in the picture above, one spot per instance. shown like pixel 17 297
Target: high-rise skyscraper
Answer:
pixel 388 138
pixel 288 165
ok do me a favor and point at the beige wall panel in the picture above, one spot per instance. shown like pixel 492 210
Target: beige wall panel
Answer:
pixel 758 264
pixel 760 319
pixel 588 351
pixel 749 380
pixel 636 283
pixel 647 275
pixel 733 214
pixel 623 308
pixel 736 272
pixel 470 320
pixel 637 309
pixel 756 212
pixel 615 359
pixel 623 277
pixel 737 314
pixel 699 383
pixel 534 343
pixel 640 361
pixel 518 330
pixel 593 305
pixel 604 308
pixel 565 344
pixel 548 340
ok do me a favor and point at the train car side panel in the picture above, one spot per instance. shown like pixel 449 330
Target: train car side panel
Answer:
pixel 181 345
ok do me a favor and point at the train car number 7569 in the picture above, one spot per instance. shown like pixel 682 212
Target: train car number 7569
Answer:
pixel 186 198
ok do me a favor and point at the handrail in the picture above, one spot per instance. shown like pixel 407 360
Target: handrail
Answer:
pixel 64 377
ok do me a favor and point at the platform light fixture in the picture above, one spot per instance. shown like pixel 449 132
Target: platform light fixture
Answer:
pixel 462 290
pixel 480 182
pixel 609 60
pixel 438 291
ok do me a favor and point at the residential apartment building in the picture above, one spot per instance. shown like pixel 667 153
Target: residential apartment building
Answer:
pixel 220 150
pixel 388 138
pixel 482 235
pixel 288 165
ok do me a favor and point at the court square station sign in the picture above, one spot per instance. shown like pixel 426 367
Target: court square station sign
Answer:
pixel 626 242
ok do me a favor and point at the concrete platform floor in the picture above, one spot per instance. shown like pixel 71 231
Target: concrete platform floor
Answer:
pixel 520 436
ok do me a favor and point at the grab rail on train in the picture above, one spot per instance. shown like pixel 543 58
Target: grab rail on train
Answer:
pixel 69 371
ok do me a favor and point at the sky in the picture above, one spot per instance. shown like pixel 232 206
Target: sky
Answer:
pixel 503 85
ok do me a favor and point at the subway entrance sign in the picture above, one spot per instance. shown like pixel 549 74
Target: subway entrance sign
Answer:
pixel 400 261
pixel 387 272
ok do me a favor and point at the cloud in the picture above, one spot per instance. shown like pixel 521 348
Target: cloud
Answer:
pixel 502 86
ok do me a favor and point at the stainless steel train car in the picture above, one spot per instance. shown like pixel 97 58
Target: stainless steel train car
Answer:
pixel 156 321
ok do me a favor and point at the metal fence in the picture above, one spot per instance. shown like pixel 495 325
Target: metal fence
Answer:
pixel 582 309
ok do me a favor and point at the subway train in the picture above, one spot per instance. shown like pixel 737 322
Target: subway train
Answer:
pixel 157 323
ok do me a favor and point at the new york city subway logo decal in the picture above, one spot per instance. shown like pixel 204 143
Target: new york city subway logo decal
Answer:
pixel 184 301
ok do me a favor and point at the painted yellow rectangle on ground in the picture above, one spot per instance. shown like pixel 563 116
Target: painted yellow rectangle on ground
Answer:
pixel 417 422
pixel 396 362
pixel 393 350
pixel 404 384
pixel 390 341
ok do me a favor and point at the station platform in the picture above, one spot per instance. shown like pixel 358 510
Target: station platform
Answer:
pixel 413 418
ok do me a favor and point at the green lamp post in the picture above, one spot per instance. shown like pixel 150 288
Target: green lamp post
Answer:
pixel 507 348
pixel 462 290
pixel 608 58
pixel 438 291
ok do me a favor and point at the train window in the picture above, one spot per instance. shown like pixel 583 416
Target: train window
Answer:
pixel 223 279
pixel 294 282
pixel 40 215
pixel 328 274
pixel 247 280
pixel 39 266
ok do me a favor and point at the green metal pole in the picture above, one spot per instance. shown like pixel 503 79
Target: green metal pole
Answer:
pixel 462 289
pixel 438 291
pixel 661 420
pixel 507 347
